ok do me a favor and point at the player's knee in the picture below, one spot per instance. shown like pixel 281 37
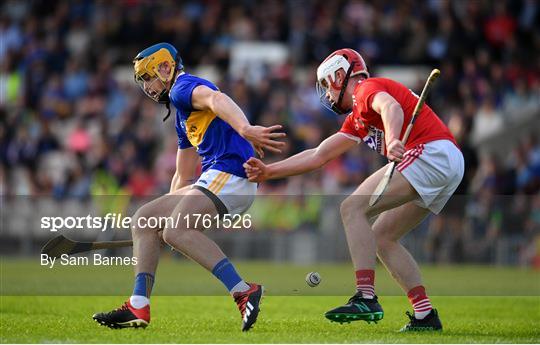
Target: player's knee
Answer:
pixel 178 237
pixel 168 236
pixel 346 207
pixel 139 221
pixel 352 205
pixel 135 222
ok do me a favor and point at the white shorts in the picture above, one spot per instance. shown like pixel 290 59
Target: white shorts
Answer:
pixel 435 170
pixel 230 193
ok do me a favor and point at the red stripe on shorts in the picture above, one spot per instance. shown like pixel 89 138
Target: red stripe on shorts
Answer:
pixel 411 157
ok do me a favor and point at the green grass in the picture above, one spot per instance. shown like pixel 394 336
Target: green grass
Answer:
pixel 183 277
pixel 189 306
pixel 284 319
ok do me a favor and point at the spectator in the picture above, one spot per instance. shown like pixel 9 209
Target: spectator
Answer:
pixel 71 115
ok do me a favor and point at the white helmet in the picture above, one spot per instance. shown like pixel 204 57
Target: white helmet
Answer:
pixel 351 62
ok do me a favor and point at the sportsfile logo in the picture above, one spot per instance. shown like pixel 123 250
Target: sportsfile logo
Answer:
pixel 88 222
pixel 118 221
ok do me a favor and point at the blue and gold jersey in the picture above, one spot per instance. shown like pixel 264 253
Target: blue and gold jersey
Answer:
pixel 219 145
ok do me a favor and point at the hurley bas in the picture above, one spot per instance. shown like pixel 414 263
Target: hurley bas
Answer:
pixel 96 260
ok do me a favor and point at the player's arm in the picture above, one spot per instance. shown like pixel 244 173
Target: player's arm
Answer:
pixel 392 116
pixel 187 161
pixel 302 162
pixel 204 98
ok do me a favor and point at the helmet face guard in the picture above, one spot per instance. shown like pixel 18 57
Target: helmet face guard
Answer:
pixel 147 85
pixel 322 90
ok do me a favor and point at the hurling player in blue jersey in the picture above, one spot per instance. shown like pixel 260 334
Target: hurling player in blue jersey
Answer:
pixel 214 131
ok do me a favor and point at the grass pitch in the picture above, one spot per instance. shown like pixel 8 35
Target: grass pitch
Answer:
pixel 285 319
pixel 291 311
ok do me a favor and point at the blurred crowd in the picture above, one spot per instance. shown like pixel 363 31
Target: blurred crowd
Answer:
pixel 71 128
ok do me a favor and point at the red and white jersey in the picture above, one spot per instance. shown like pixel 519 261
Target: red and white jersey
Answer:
pixel 366 124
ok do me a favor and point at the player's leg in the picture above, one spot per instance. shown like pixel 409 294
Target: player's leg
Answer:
pixel 186 235
pixel 435 172
pixel 147 241
pixel 146 249
pixel 389 228
pixel 356 212
pixel 192 242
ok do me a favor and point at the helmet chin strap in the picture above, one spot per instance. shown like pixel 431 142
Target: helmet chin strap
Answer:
pixel 164 97
pixel 336 107
pixel 168 106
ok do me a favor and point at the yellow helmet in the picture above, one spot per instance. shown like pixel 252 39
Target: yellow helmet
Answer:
pixel 146 65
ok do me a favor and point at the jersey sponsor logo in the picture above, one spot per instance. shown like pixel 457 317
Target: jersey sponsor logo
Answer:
pixel 375 139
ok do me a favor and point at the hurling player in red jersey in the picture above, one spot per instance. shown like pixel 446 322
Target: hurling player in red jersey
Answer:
pixel 430 169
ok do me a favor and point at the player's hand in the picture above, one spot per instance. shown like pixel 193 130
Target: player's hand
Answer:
pixel 395 151
pixel 256 170
pixel 264 138
pixel 259 150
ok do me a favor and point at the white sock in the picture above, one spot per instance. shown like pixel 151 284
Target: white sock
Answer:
pixel 368 291
pixel 139 302
pixel 419 315
pixel 422 308
pixel 240 287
